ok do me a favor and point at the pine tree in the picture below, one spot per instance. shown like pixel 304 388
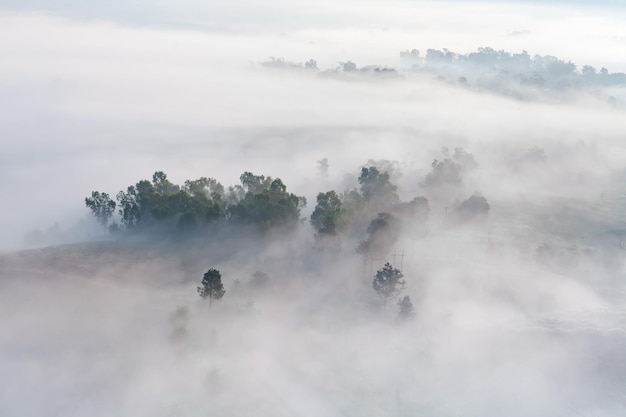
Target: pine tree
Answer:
pixel 212 286
pixel 388 282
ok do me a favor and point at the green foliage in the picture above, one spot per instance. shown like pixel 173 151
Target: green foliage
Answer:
pixel 355 208
pixel 212 287
pixel 254 183
pixel 162 185
pixel 261 201
pixel 101 206
pixel 196 204
pixel 376 194
pixel 266 203
pixel 376 187
pixel 327 216
pixel 388 282
pixel 204 186
pixel 129 207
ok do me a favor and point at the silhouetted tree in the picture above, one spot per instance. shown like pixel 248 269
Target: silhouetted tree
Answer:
pixel 348 66
pixel 162 185
pixel 475 207
pixel 254 183
pixel 388 283
pixel 326 218
pixel 212 286
pixel 376 188
pixel 266 203
pixel 128 207
pixel 101 206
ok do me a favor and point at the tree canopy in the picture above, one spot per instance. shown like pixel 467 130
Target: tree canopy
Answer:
pixel 327 216
pixel 160 204
pixel 101 206
pixel 212 287
pixel 388 282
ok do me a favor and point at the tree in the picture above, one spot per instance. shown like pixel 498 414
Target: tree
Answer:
pixel 377 188
pixel 212 286
pixel 203 187
pixel 322 167
pixel 348 66
pixel 254 183
pixel 475 207
pixel 128 207
pixel 311 64
pixel 327 214
pixel 405 308
pixel 101 206
pixel 265 203
pixel 162 185
pixel 388 282
pixel 444 173
pixel 588 71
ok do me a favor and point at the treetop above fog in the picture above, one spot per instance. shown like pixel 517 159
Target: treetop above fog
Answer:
pixel 372 213
pixel 516 74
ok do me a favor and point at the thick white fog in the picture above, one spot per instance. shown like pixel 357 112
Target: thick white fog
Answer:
pixel 518 308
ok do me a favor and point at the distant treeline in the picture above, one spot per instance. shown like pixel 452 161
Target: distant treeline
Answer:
pixel 542 71
pixel 489 69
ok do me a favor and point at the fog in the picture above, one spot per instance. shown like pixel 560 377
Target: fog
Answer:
pixel 517 312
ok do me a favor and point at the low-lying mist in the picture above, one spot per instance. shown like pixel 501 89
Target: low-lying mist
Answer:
pixel 498 198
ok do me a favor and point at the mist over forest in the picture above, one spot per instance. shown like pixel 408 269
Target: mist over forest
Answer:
pixel 312 209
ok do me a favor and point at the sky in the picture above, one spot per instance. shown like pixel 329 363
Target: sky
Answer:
pixel 519 316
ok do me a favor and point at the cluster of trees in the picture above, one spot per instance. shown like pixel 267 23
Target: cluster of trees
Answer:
pixel 371 214
pixel 260 201
pixel 347 67
pixel 372 211
pixel 373 207
pixel 539 70
pixel 488 67
pixel 389 284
